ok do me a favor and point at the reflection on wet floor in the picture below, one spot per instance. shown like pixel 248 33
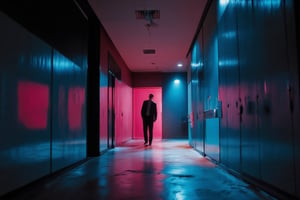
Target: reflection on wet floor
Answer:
pixel 169 169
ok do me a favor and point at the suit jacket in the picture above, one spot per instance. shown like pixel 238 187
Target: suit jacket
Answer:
pixel 153 110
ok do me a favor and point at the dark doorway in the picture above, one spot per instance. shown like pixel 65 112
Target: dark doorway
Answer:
pixel 111 111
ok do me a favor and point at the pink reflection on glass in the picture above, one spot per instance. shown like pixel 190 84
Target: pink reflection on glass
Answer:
pixel 76 100
pixel 192 119
pixel 33 104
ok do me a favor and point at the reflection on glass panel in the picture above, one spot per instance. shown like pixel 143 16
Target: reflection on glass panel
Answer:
pixel 196 61
pixel 33 104
pixel 76 102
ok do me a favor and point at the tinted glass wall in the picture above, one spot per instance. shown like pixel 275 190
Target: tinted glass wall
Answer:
pixel 42 108
pixel 43 91
pixel 204 86
pixel 258 90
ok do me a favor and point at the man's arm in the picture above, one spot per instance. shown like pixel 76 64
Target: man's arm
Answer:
pixel 155 112
pixel 143 110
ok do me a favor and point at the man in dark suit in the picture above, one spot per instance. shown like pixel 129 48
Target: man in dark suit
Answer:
pixel 149 115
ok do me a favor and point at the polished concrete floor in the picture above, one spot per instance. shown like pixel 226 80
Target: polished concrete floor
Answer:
pixel 168 169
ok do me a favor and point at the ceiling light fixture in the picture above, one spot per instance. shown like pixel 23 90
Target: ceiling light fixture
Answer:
pixel 148 15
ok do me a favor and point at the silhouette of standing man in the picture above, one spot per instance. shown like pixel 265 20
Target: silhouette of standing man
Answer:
pixel 149 115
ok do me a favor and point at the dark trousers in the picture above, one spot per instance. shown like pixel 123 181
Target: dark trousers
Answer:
pixel 148 123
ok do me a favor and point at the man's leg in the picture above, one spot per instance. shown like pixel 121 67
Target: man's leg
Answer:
pixel 150 132
pixel 145 130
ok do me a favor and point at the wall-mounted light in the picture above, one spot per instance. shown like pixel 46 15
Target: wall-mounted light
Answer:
pixel 179 65
pixel 176 81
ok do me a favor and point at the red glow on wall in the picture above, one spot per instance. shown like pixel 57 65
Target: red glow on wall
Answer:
pixel 123 112
pixel 33 104
pixel 139 95
pixel 192 119
pixel 76 100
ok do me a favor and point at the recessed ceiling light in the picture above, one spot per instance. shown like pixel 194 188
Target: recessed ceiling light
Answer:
pixel 179 65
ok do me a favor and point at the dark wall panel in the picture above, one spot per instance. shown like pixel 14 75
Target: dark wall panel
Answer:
pixel 293 38
pixel 69 112
pixel 274 114
pixel 259 90
pixel 197 93
pixel 93 79
pixel 224 55
pixel 174 116
pixel 250 135
pixel 211 82
pixel 199 76
pixel 103 109
pixel 233 104
pixel 195 58
pixel 25 67
pixel 190 113
pixel 59 23
pixel 103 135
pixel 43 104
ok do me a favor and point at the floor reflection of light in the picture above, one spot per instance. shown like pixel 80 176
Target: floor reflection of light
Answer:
pixel 177 171
pixel 179 196
pixel 78 172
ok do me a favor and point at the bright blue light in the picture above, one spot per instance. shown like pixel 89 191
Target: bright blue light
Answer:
pixel 177 81
pixel 222 7
pixel 260 3
pixel 196 59
pixel 224 2
pixel 268 3
pixel 199 64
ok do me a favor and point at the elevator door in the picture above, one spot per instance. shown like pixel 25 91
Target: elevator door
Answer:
pixel 111 111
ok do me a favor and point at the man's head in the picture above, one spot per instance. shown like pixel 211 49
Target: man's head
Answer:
pixel 151 96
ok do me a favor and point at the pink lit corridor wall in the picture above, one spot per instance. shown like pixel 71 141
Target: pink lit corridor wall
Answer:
pixel 139 95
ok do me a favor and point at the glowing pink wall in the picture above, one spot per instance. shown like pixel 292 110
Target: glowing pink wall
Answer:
pixel 139 95
pixel 123 112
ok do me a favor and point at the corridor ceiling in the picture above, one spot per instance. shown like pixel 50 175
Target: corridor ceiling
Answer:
pixel 169 31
